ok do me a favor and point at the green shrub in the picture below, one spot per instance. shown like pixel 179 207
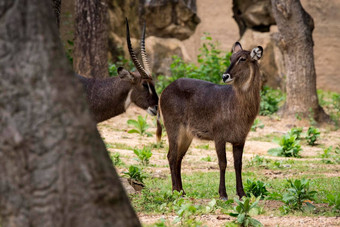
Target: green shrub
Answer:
pixel 312 135
pixel 257 188
pixel 122 62
pixel 257 124
pixel 297 194
pixel 289 147
pixel 211 65
pixel 270 99
pixel 329 157
pixel 242 210
pixel 140 126
pixel 135 173
pixel 143 155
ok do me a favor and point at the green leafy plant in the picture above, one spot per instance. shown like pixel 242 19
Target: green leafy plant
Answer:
pixel 334 201
pixel 270 99
pixel 296 131
pixel 140 126
pixel 256 188
pixel 115 158
pixel 312 135
pixel 256 161
pixel 242 212
pixel 257 124
pixel 289 147
pixel 298 194
pixel 121 62
pixel 135 173
pixel 143 155
pixel 211 65
pixel 329 156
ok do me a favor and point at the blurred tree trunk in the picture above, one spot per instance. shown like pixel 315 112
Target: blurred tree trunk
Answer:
pixel 54 169
pixel 56 4
pixel 91 38
pixel 295 39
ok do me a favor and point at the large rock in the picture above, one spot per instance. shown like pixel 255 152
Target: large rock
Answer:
pixel 256 15
pixel 171 18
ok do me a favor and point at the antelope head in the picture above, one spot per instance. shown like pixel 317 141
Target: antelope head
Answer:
pixel 143 92
pixel 241 71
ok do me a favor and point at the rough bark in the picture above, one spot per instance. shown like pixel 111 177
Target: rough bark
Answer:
pixel 56 4
pixel 295 39
pixel 91 38
pixel 54 169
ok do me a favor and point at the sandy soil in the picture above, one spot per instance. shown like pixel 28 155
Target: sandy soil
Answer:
pixel 114 131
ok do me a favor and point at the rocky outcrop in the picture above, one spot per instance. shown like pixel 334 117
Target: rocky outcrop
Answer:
pixel 170 18
pixel 256 15
pixel 164 18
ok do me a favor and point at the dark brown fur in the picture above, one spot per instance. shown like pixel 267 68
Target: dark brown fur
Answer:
pixel 223 113
pixel 107 97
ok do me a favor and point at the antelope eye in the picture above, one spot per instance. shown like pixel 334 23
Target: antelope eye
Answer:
pixel 145 85
pixel 242 59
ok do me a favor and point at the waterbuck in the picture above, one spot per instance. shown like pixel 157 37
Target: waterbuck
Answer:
pixel 112 96
pixel 223 113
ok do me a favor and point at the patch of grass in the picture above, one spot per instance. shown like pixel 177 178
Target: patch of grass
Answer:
pixel 203 146
pixel 207 159
pixel 266 138
pixel 115 158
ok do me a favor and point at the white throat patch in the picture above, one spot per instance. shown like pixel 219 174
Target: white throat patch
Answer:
pixel 247 83
pixel 128 100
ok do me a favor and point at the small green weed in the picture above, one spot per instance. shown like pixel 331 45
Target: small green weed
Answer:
pixel 115 158
pixel 289 147
pixel 270 99
pixel 207 159
pixel 140 126
pixel 256 188
pixel 135 173
pixel 312 135
pixel 297 194
pixel 331 157
pixel 143 155
pixel 296 131
pixel 256 161
pixel 257 124
pixel 242 212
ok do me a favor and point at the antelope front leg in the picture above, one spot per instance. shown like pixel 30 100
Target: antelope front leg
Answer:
pixel 222 163
pixel 237 153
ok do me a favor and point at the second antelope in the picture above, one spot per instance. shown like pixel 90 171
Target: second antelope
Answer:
pixel 223 113
pixel 112 96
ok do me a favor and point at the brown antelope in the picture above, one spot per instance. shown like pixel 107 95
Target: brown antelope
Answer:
pixel 112 96
pixel 223 113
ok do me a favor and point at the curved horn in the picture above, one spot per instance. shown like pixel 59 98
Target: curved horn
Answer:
pixel 132 53
pixel 143 53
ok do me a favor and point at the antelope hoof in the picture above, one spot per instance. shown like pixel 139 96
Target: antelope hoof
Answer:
pixel 224 198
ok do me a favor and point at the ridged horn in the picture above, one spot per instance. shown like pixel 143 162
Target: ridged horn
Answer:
pixel 143 53
pixel 134 59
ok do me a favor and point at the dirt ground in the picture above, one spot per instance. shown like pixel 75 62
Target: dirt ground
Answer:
pixel 114 131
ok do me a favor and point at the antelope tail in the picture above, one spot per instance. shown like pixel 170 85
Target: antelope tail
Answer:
pixel 159 128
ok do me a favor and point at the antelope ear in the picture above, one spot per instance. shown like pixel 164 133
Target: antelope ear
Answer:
pixel 125 75
pixel 237 47
pixel 256 53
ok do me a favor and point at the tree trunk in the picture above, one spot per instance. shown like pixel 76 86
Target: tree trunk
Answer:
pixel 54 169
pixel 56 4
pixel 295 39
pixel 91 38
